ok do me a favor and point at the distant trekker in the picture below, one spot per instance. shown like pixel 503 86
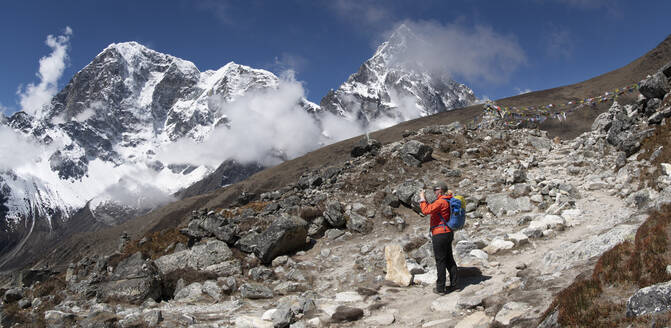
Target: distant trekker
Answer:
pixel 441 235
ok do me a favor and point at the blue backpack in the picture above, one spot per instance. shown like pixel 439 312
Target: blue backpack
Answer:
pixel 457 213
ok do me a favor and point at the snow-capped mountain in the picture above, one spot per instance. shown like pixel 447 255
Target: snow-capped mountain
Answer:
pixel 388 89
pixel 97 141
pixel 101 143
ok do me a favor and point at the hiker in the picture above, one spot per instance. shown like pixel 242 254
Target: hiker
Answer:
pixel 441 235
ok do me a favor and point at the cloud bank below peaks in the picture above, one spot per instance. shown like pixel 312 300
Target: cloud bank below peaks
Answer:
pixel 266 126
pixel 476 54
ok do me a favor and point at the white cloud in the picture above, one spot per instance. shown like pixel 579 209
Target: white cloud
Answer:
pixel 265 126
pixel 370 14
pixel 18 150
pixel 522 91
pixel 287 61
pixel 559 43
pixel 476 54
pixel 34 96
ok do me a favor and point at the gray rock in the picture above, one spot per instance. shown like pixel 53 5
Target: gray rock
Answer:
pixel 501 203
pixel 602 122
pixel 190 293
pixel 416 150
pixel 519 190
pixel 409 190
pixel 133 281
pixel 359 223
pixel 464 247
pixel 333 234
pixel 198 257
pixel 228 284
pixel 261 273
pixel 288 287
pixel 655 86
pixel 211 288
pixel 56 319
pixel 284 235
pixel 515 175
pixel 310 181
pixel 364 146
pixel 346 313
pixel 283 316
pixel 227 268
pixel 24 304
pixel 334 214
pixel 657 117
pixel 152 317
pixel 248 242
pixel 652 105
pixel 651 299
pixel 540 143
pixel 13 295
pixel 255 291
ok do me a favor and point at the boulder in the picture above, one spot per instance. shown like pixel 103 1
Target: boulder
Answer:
pixel 13 295
pixel 197 258
pixel 502 203
pixel 359 223
pixel 310 181
pixel 651 299
pixel 255 291
pixel 334 214
pixel 657 117
pixel 414 153
pixel 655 86
pixel 346 313
pixel 364 146
pixel 132 281
pixel 284 235
pixel 498 245
pixel 397 268
pixel 190 293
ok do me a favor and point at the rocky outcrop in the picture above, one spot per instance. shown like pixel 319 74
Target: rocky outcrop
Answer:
pixel 651 299
pixel 284 235
pixel 133 281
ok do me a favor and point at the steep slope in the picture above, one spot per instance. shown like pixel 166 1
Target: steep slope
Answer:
pixel 387 90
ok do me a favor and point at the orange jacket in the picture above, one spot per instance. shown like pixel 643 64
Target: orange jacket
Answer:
pixel 439 206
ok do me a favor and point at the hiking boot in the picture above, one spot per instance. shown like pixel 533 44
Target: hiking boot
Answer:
pixel 439 291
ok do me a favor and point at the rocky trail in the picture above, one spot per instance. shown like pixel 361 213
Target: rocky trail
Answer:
pixel 344 246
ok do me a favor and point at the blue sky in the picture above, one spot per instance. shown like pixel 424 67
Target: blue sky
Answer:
pixel 552 42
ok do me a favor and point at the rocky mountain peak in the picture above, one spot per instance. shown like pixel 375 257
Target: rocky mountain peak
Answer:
pixel 389 88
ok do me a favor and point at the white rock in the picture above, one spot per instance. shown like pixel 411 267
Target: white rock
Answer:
pixel 427 278
pixel 447 303
pixel 498 245
pixel 666 168
pixel 252 322
pixel 397 269
pixel 475 320
pixel 477 253
pixel 536 198
pixel 553 222
pixel 314 322
pixel 518 238
pixel 437 323
pixel 382 319
pixel 268 315
pixel 348 297
pixel 510 312
pixel 595 185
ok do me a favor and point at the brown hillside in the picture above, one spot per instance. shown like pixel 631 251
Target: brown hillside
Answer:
pixel 276 177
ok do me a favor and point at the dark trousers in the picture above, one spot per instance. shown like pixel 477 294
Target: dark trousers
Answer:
pixel 442 251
